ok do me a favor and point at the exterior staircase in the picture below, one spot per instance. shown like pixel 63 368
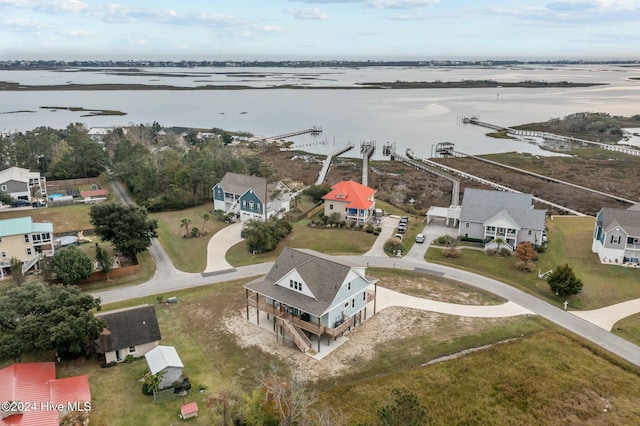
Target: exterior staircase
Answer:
pixel 29 264
pixel 299 338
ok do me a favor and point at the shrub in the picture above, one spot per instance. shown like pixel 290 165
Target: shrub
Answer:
pixel 445 240
pixel 505 252
pixel 392 245
pixel 452 252
pixel 490 252
pixel 524 266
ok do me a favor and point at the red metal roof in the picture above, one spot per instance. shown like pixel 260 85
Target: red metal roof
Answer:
pixel 94 193
pixel 39 393
pixel 189 408
pixel 353 193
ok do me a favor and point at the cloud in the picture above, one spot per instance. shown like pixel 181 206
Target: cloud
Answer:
pixel 51 6
pixel 307 13
pixel 379 4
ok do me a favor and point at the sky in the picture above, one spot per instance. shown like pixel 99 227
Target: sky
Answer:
pixel 319 29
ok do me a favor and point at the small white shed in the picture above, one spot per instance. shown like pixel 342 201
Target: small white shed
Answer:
pixel 165 359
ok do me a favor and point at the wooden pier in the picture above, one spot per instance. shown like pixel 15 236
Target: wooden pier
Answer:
pixel 367 149
pixel 312 130
pixel 327 162
pixel 416 163
pixel 552 136
pixel 547 178
pixel 489 183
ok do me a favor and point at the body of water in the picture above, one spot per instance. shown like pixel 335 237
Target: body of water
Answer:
pixel 411 118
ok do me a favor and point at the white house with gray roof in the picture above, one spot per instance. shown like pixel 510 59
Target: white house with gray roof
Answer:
pixel 616 237
pixel 22 184
pixel 487 215
pixel 308 292
pixel 251 197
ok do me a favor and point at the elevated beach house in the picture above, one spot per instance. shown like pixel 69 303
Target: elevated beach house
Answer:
pixel 354 201
pixel 616 237
pixel 309 293
pixel 25 240
pixel 487 215
pixel 251 197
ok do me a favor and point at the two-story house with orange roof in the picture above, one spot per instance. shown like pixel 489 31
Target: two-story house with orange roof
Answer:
pixel 354 201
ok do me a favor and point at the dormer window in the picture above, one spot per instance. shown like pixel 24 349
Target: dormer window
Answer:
pixel 341 196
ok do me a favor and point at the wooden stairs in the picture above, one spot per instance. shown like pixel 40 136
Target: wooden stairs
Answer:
pixel 297 335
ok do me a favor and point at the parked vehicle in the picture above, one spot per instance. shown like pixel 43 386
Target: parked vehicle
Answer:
pixel 420 238
pixel 398 236
pixel 404 219
pixel 402 229
pixel 20 203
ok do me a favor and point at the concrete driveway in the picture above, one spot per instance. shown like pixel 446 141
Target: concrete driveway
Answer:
pixel 217 248
pixel 432 231
pixel 388 225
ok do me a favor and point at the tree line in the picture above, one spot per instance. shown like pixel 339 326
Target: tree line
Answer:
pixel 162 170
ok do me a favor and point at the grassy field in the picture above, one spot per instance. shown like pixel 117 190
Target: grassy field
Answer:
pixel 539 379
pixel 64 219
pixel 187 254
pixel 576 386
pixel 569 242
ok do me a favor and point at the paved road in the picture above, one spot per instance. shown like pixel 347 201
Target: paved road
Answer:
pixel 565 319
pixel 168 279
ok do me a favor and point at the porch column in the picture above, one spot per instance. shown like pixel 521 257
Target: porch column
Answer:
pixel 375 296
pixel 273 304
pixel 247 294
pixel 258 308
pixel 319 336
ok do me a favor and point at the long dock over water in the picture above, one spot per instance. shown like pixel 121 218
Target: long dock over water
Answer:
pixel 327 162
pixel 552 136
pixel 367 148
pixel 313 129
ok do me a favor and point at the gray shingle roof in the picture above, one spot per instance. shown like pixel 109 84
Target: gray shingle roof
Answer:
pixel 322 274
pixel 129 327
pixel 237 183
pixel 628 220
pixel 479 205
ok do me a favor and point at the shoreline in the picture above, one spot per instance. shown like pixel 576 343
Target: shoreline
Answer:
pixel 471 84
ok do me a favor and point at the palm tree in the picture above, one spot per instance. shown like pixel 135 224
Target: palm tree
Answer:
pixel 185 223
pixel 499 242
pixel 205 218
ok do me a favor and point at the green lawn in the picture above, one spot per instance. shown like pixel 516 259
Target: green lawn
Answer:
pixel 64 219
pixel 326 240
pixel 628 328
pixel 569 242
pixel 187 254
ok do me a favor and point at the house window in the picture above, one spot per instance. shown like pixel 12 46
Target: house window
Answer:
pixel 3 187
pixel 364 296
pixel 615 239
pixel 26 238
pixel 300 285
pixel 28 251
pixel 466 225
pixel 244 204
pixel 291 283
pixel 258 206
pixel 349 286
pixel 353 303
pixel 132 349
pixel 529 232
pixel 330 206
pixel 3 254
